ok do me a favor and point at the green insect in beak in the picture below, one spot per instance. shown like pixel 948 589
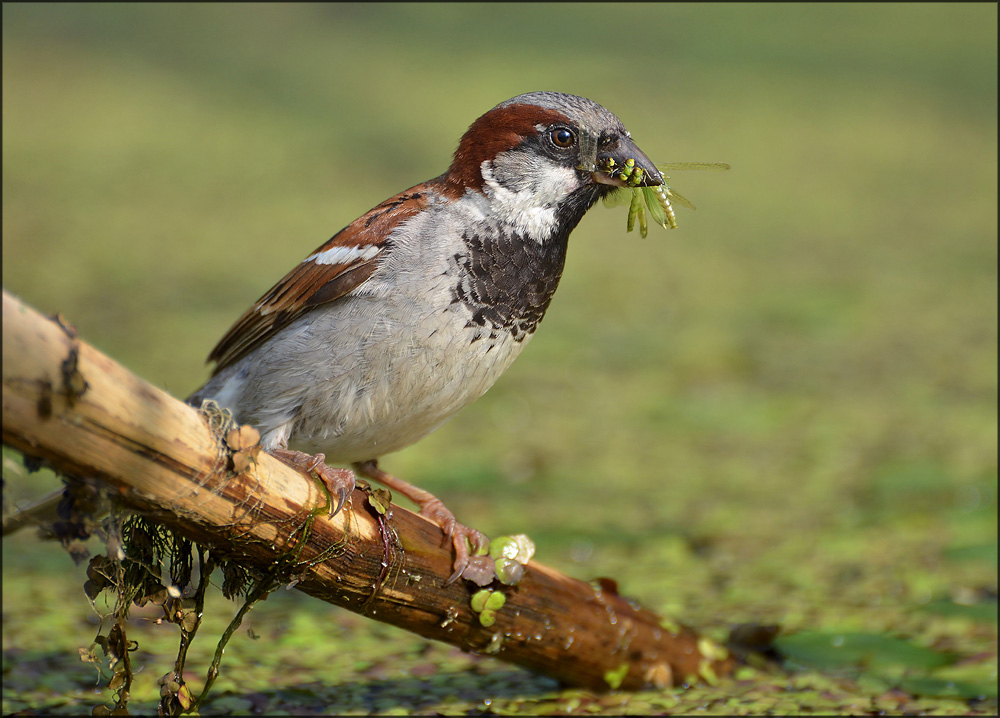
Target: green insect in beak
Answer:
pixel 657 198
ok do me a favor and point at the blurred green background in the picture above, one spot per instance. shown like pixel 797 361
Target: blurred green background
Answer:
pixel 784 410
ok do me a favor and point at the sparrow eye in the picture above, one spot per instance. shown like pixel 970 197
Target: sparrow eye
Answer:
pixel 561 137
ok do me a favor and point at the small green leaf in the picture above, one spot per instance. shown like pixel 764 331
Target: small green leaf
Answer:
pixel 503 547
pixel 614 678
pixel 380 499
pixel 985 612
pixel 496 601
pixel 525 548
pixel 655 208
pixel 831 650
pixel 480 599
pixel 509 572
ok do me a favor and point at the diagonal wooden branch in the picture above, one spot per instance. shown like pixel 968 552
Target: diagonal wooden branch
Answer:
pixel 85 415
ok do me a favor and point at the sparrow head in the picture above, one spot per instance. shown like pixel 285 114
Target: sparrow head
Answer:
pixel 547 148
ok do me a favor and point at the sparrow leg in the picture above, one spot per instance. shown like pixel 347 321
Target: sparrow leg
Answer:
pixel 431 508
pixel 340 482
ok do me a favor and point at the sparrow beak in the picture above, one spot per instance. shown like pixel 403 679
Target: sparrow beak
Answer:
pixel 610 165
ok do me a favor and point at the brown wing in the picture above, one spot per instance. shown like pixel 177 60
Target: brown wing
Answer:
pixel 336 268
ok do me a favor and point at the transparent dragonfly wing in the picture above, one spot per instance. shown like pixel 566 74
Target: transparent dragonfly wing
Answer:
pixel 678 198
pixel 618 197
pixel 656 209
pixel 693 166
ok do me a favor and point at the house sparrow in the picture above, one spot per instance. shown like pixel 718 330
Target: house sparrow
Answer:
pixel 417 307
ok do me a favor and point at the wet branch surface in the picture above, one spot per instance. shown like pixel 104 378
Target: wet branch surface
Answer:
pixel 86 416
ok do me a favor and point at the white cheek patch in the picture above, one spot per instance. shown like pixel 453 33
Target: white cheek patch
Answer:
pixel 344 255
pixel 531 207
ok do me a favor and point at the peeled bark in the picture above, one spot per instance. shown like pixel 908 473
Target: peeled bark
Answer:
pixel 85 415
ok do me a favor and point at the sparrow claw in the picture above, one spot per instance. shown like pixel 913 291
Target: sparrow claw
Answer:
pixel 455 576
pixel 462 537
pixel 339 482
pixel 342 494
